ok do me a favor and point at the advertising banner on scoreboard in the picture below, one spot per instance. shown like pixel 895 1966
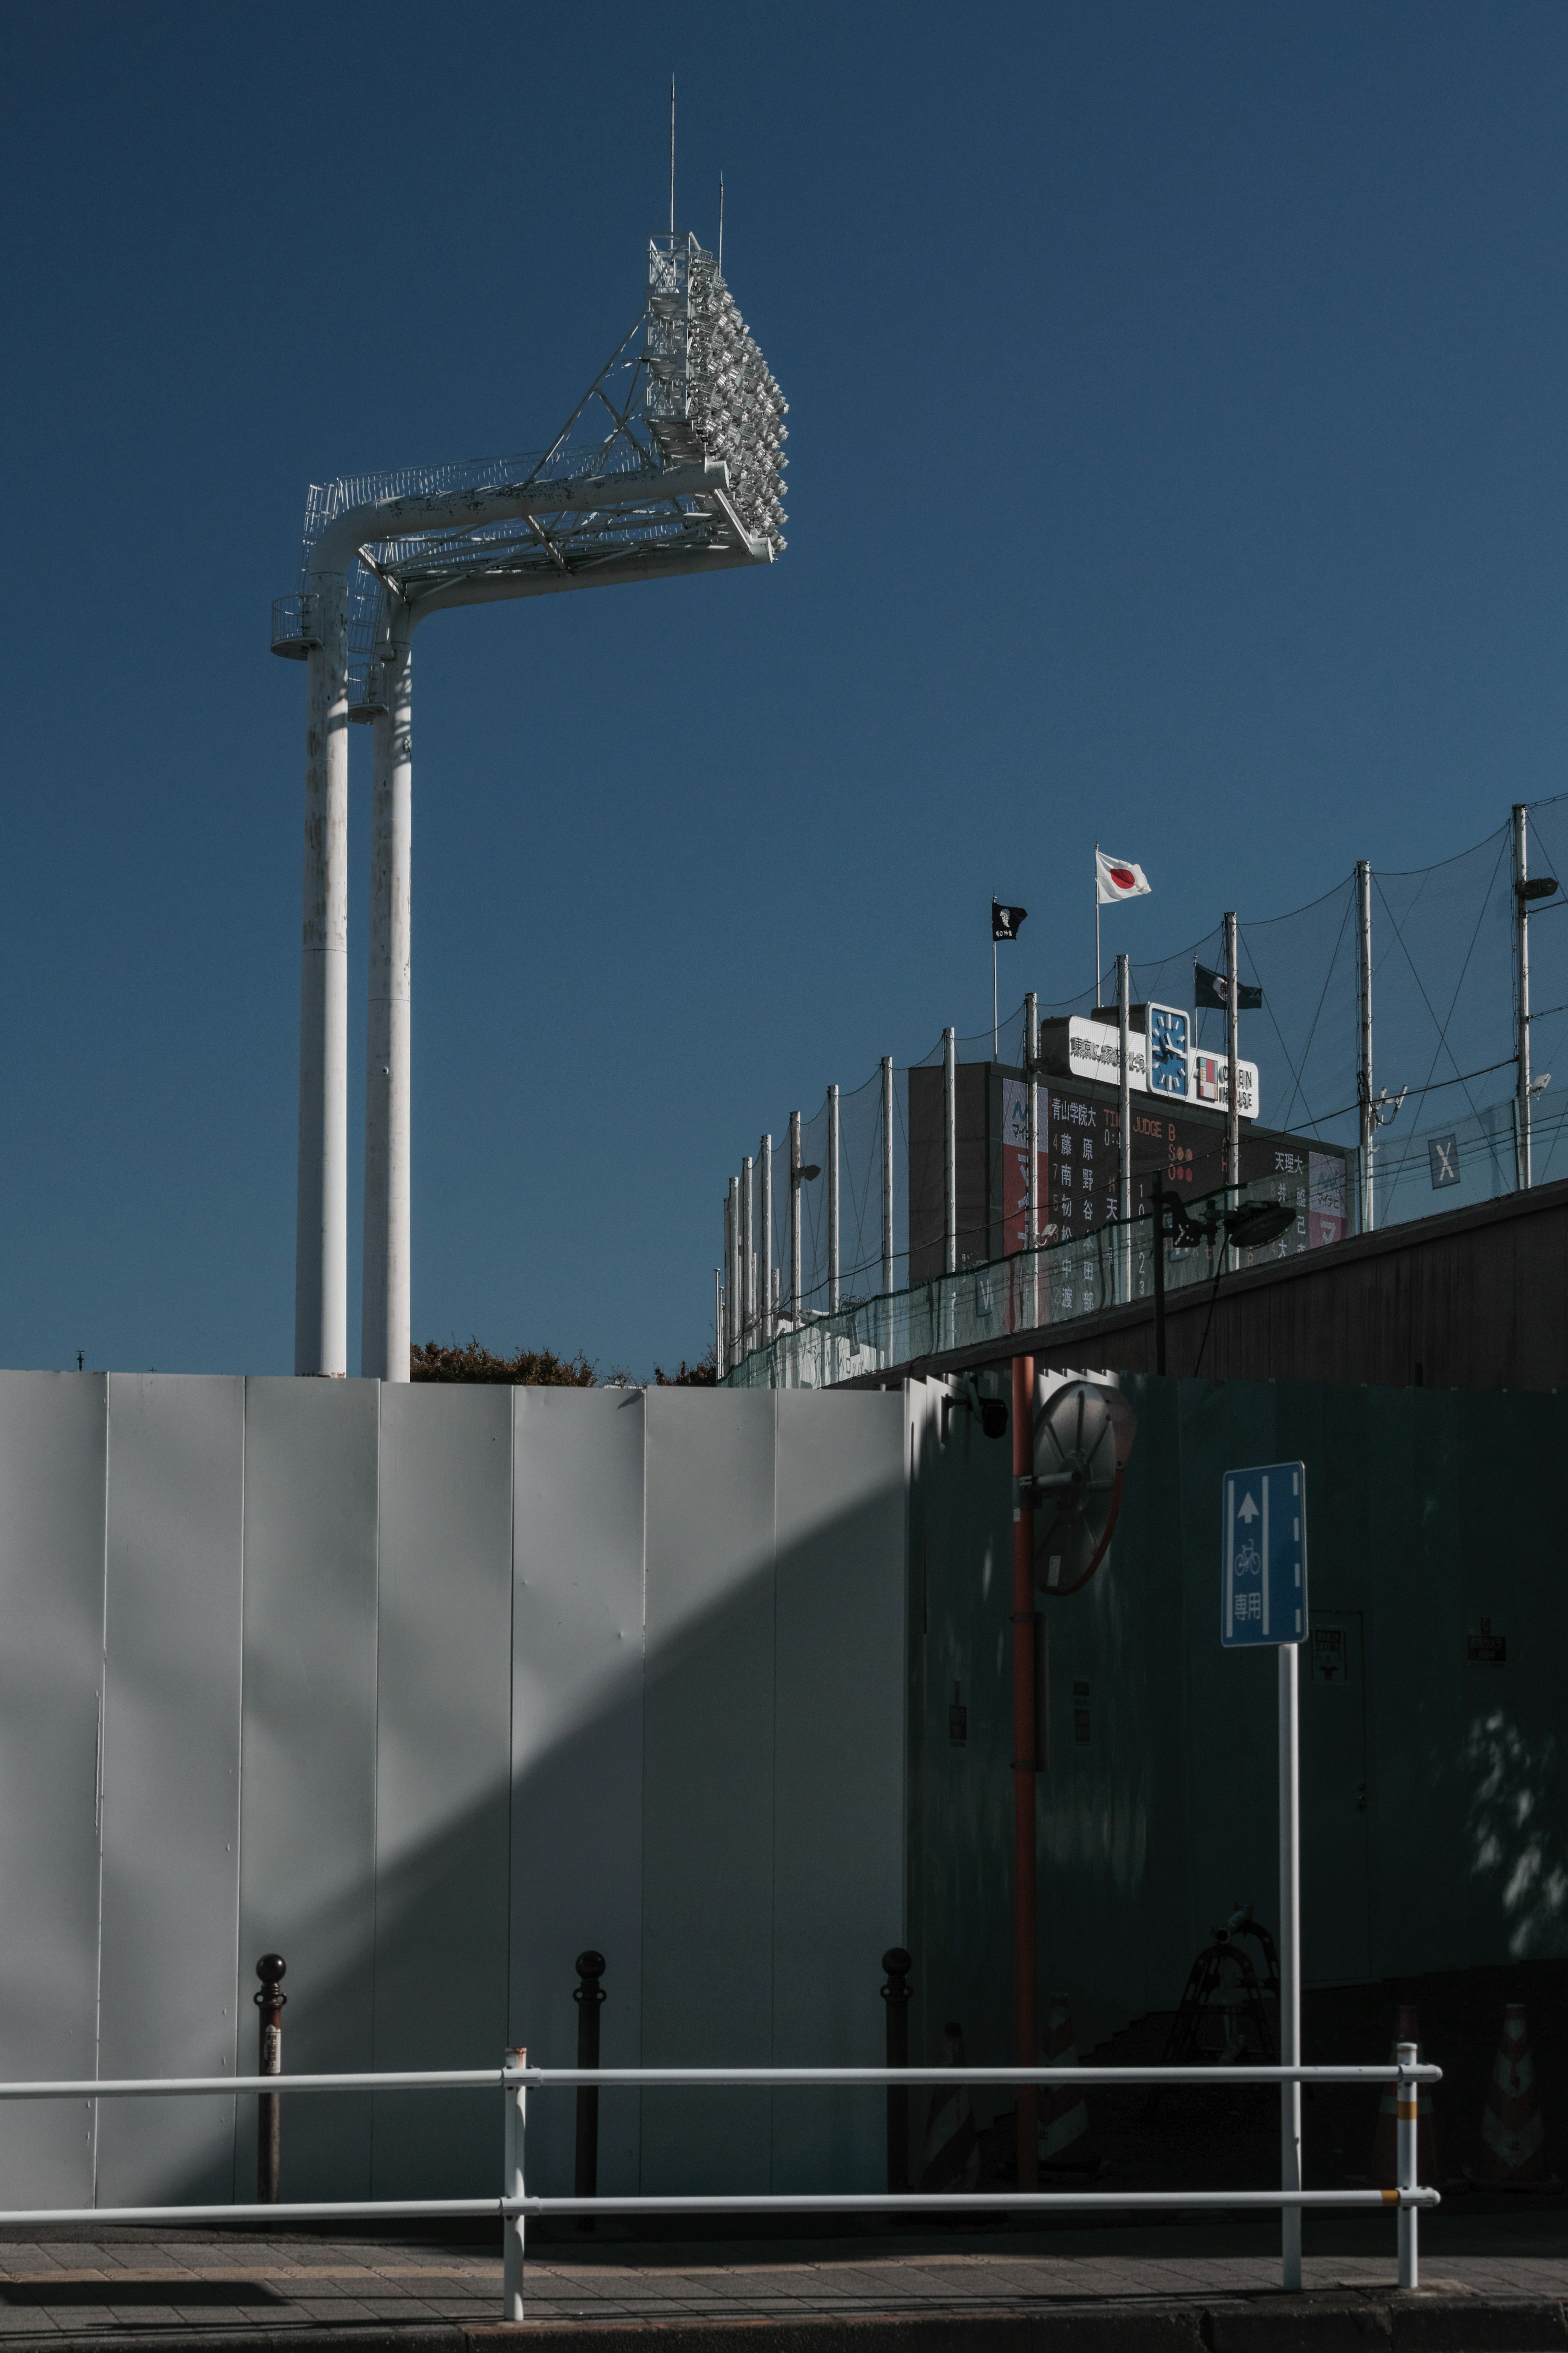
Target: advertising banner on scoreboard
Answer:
pixel 1015 1163
pixel 1081 1049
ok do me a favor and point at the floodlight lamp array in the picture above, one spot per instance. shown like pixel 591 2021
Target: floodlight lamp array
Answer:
pixel 711 394
pixel 694 395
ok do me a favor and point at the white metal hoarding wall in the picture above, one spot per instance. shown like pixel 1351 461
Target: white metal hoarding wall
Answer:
pixel 429 1688
pixel 171 1772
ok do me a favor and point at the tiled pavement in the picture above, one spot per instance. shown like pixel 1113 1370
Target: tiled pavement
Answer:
pixel 214 2282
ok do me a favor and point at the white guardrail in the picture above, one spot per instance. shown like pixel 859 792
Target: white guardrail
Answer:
pixel 516 2078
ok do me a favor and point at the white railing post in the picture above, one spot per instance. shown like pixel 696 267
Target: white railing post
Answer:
pixel 1407 2098
pixel 513 2224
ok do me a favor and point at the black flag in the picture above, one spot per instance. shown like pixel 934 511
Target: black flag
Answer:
pixel 1210 987
pixel 1006 922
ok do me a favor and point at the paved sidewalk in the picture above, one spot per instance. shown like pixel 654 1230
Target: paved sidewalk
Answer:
pixel 1489 2285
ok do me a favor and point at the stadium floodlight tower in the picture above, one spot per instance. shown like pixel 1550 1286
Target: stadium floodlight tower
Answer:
pixel 671 465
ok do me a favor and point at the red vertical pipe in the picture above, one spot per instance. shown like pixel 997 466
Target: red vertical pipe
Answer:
pixel 1024 1763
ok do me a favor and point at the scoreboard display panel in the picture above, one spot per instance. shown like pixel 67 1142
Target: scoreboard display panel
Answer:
pixel 1080 1166
pixel 1081 1155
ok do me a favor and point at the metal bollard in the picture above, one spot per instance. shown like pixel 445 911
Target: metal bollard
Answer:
pixel 513 2243
pixel 270 1969
pixel 896 1994
pixel 1406 2141
pixel 589 1997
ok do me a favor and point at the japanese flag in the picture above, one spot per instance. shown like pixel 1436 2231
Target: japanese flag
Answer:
pixel 1116 878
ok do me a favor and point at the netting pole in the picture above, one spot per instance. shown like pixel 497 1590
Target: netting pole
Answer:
pixel 727 1353
pixel 1363 1074
pixel 719 1317
pixel 1233 1057
pixel 887 1172
pixel 1124 1190
pixel 738 1283
pixel 950 1150
pixel 1233 1075
pixel 1032 1146
pixel 833 1200
pixel 765 1152
pixel 794 1219
pixel 1521 990
pixel 748 1257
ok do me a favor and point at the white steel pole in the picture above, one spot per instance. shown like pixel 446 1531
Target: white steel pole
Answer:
pixel 512 2242
pixel 1124 1190
pixel 833 1199
pixel 384 1311
pixel 949 1150
pixel 887 1172
pixel 1233 1056
pixel 321 1214
pixel 1521 953
pixel 732 1284
pixel 1290 1959
pixel 719 1367
pixel 1032 1147
pixel 1407 2102
pixel 1363 1077
pixel 794 1217
pixel 765 1153
pixel 748 1260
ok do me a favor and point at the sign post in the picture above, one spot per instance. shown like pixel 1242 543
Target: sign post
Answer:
pixel 1264 1600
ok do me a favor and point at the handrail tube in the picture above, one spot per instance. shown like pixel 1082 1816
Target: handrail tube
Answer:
pixel 465 2079
pixel 1387 2072
pixel 793 2203
pixel 869 2201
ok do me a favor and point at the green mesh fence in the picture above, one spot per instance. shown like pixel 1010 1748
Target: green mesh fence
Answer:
pixel 1451 1130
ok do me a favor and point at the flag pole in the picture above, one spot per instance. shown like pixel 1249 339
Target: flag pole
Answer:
pixel 1096 922
pixel 995 1025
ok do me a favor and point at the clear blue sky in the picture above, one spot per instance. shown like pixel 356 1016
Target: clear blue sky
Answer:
pixel 1177 459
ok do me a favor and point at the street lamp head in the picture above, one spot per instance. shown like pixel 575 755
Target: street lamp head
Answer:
pixel 1253 1224
pixel 804 1176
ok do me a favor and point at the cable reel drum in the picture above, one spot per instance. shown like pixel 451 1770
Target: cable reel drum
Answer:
pixel 1082 1436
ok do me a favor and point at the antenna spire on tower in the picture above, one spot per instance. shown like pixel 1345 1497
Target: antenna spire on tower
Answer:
pixel 721 224
pixel 672 155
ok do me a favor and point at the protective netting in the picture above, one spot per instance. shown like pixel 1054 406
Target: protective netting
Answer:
pixel 1449 1126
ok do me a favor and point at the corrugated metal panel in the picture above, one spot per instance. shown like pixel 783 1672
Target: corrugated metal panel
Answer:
pixel 51 1644
pixel 171 1778
pixel 307 1786
pixel 578 1753
pixel 708 1787
pixel 443 1776
pixel 838 1788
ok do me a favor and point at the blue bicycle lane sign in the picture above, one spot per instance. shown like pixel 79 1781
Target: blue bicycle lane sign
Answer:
pixel 1263 1592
